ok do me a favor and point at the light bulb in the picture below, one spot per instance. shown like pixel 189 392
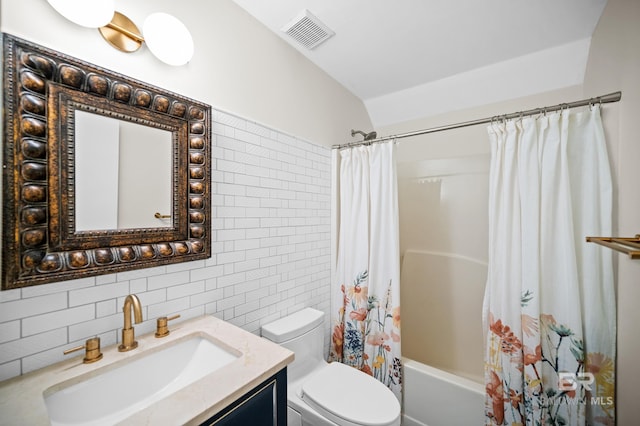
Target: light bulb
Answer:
pixel 93 14
pixel 168 38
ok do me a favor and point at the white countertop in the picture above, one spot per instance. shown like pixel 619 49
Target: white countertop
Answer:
pixel 22 401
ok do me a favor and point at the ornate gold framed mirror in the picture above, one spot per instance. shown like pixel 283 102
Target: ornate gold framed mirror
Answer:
pixel 101 173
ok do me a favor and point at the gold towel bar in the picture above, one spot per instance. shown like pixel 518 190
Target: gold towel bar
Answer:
pixel 630 246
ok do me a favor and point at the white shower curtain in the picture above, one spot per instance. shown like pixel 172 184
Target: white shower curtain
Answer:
pixel 549 309
pixel 366 283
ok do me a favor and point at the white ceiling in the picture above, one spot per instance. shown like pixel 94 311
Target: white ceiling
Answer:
pixel 382 47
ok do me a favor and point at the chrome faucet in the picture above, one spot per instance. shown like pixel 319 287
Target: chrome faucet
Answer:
pixel 128 333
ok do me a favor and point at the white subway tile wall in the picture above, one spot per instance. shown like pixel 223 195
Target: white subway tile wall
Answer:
pixel 271 256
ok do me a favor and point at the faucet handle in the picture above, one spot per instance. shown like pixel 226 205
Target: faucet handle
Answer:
pixel 92 353
pixel 161 325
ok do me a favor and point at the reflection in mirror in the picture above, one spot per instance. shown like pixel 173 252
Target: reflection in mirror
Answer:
pixel 123 174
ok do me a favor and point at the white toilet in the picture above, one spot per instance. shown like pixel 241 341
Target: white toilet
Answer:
pixel 321 393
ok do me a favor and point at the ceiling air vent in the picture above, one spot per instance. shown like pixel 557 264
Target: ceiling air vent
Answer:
pixel 307 30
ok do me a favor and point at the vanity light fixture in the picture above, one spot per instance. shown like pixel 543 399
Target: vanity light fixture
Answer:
pixel 167 37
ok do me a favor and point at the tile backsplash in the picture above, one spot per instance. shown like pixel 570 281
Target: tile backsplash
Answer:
pixel 271 256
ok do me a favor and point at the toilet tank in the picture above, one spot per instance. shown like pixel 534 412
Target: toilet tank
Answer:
pixel 303 334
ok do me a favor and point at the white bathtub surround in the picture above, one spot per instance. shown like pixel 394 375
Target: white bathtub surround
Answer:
pixel 442 302
pixel 549 307
pixel 366 287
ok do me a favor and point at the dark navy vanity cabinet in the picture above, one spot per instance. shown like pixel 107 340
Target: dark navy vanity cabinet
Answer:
pixel 264 405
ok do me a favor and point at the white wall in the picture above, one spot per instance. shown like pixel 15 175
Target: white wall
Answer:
pixel 614 64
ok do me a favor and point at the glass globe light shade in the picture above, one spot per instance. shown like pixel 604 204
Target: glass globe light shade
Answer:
pixel 168 39
pixel 93 14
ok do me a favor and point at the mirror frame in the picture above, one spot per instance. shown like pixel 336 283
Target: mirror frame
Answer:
pixel 42 90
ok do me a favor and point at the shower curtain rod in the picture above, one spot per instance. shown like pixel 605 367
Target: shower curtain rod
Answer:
pixel 605 99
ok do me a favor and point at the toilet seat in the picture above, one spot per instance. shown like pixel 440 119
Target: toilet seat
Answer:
pixel 347 396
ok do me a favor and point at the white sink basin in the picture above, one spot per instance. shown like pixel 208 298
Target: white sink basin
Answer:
pixel 116 393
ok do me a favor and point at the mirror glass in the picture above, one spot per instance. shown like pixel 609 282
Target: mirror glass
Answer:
pixel 123 174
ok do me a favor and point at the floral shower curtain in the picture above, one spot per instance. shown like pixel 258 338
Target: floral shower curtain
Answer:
pixel 549 309
pixel 366 288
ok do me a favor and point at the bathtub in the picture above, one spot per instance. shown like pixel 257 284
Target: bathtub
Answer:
pixel 435 397
pixel 441 299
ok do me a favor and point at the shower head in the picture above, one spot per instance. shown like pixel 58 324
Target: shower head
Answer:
pixel 367 136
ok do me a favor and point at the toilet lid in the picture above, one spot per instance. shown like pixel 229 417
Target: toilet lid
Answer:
pixel 342 393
